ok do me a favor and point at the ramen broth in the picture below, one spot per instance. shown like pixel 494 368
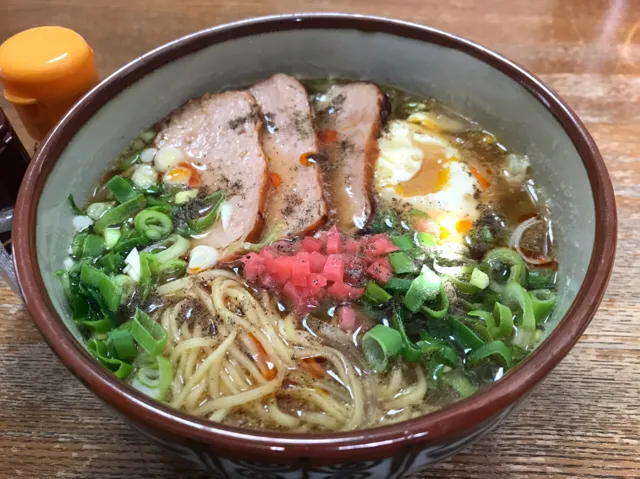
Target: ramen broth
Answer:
pixel 312 256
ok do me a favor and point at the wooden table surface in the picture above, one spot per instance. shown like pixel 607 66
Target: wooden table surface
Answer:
pixel 583 421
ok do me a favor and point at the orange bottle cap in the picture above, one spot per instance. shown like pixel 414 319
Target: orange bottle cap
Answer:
pixel 44 71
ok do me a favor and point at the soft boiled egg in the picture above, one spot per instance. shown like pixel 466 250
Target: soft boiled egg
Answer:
pixel 418 166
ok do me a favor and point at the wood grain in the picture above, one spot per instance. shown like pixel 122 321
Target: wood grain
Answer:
pixel 584 421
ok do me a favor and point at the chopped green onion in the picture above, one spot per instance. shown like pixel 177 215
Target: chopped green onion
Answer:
pixel 111 263
pixel 479 279
pixel 411 352
pixel 96 305
pixel 526 339
pixel 121 189
pixel 384 220
pixel 398 285
pixel 517 299
pixel 503 321
pixel 500 323
pixel 375 293
pixel 543 301
pixel 127 284
pixel 178 246
pixel 147 333
pixel 164 209
pixel 65 283
pixel 459 383
pixel 120 213
pixel 129 161
pixel 152 376
pixel 170 270
pixel 424 288
pixel 130 239
pixel 442 352
pixel 464 336
pixel 100 351
pixel 93 247
pixel 122 342
pixel 502 260
pixel 153 224
pixel 496 350
pixel 404 242
pixel 109 290
pixel 435 369
pixel 402 263
pixel 99 326
pixel 379 345
pixel 542 278
pixel 148 274
pixel 96 210
pixel 427 240
pixel 463 286
pixel 76 211
pixel 77 245
pixel 111 237
pixel 183 197
pixel 441 308
pixel 213 201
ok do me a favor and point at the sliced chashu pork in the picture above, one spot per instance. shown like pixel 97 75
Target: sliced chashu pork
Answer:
pixel 295 202
pixel 221 133
pixel 350 118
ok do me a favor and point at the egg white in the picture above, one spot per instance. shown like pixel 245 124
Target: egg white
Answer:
pixel 401 158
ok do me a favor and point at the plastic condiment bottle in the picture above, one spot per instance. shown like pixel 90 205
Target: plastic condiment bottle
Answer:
pixel 45 70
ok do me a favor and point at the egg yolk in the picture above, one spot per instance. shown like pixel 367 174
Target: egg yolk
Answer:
pixel 432 176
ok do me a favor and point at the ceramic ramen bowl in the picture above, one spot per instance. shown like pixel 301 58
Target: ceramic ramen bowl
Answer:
pixel 480 84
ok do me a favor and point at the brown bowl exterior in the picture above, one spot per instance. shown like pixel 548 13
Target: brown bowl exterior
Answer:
pixel 390 451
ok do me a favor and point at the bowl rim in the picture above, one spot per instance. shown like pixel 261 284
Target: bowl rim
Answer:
pixel 440 426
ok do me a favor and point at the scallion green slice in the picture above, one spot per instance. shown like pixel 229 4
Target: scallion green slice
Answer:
pixel 398 285
pixel 495 350
pixel 439 307
pixel 153 224
pixel 96 210
pixel 479 279
pixel 176 246
pixel 120 213
pixel 427 240
pixel 542 278
pixel 147 333
pixel 76 211
pixel 111 237
pixel 375 293
pixel 410 352
pixel 518 300
pixel 100 351
pixel 402 263
pixel 99 326
pixel 464 336
pixel 122 342
pixel 542 301
pixel 127 284
pixel 404 242
pixel 380 345
pixel 502 260
pixel 121 189
pixel 200 225
pixel 93 246
pixel 424 288
pixel 459 383
pixel 152 376
pixel 108 289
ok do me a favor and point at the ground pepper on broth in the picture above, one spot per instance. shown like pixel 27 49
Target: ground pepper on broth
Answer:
pixel 443 287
